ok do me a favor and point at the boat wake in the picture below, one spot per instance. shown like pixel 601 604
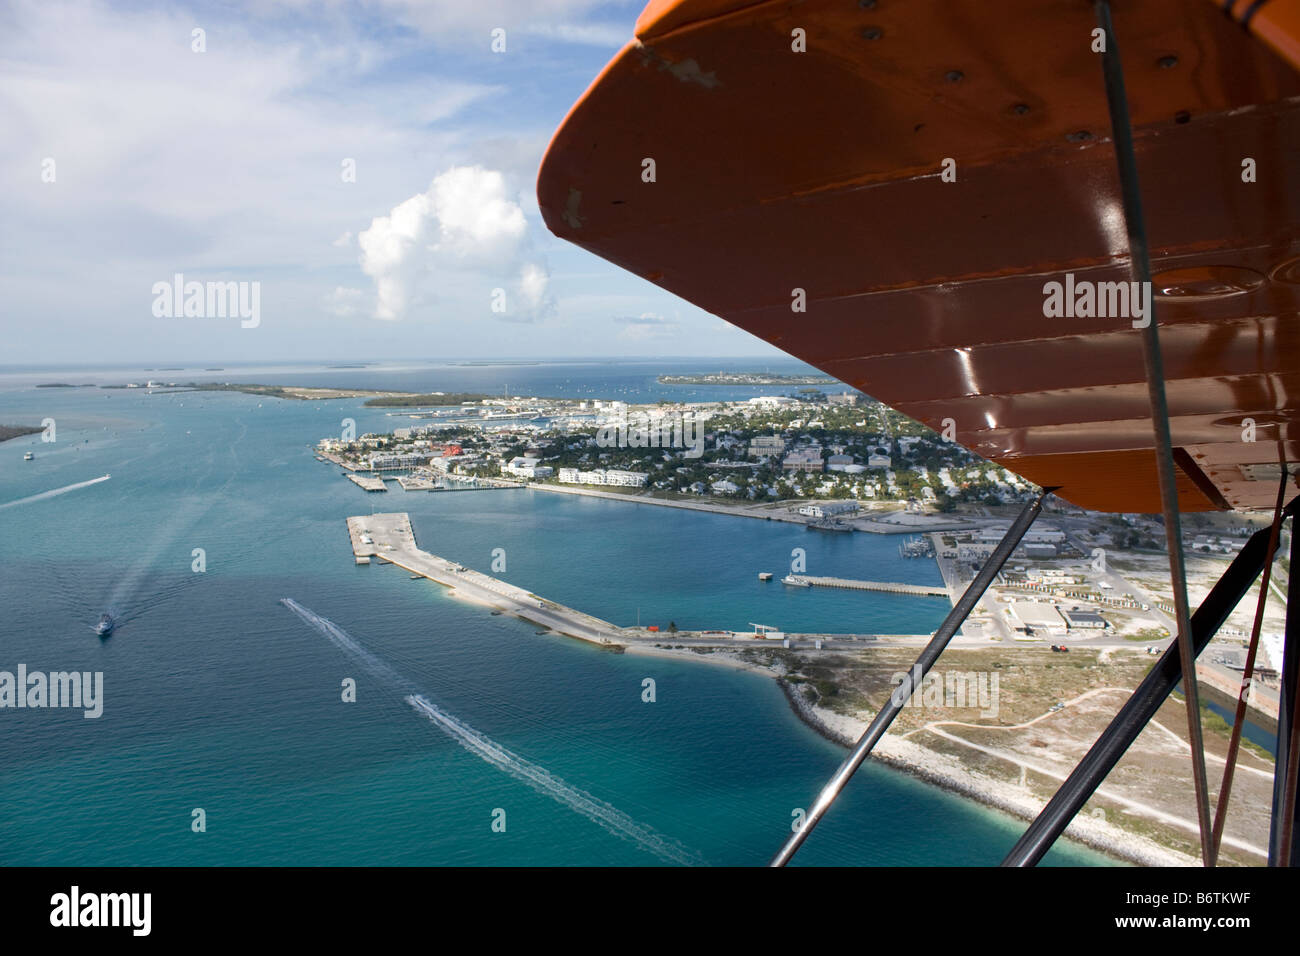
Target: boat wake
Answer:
pixel 540 779
pixel 54 492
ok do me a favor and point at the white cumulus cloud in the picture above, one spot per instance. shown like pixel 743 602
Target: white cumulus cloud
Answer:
pixel 464 222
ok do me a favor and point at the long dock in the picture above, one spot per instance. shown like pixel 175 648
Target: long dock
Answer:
pixel 388 537
pixel 807 581
pixel 369 484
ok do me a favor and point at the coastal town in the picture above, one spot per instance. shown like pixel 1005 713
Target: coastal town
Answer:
pixel 1083 607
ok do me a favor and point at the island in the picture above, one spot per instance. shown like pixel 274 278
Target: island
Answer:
pixel 746 378
pixel 17 431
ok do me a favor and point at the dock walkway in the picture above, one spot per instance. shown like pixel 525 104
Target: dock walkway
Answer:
pixel 391 539
pixel 805 581
pixel 369 484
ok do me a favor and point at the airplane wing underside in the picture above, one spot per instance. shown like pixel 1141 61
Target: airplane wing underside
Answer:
pixel 823 171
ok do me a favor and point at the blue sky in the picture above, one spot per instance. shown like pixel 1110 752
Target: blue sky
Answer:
pixel 128 156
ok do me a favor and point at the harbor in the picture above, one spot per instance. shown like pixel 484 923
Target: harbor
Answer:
pixel 389 538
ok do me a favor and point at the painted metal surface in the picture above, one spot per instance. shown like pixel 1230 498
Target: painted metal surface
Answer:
pixel 778 170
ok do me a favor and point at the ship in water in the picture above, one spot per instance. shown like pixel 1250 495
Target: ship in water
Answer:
pixel 916 547
pixel 28 457
pixel 106 624
pixel 828 524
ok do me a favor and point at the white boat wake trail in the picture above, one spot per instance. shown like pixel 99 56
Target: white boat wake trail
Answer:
pixel 540 779
pixel 57 491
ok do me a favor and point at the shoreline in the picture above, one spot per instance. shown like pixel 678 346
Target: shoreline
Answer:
pixel 937 769
pixel 893 752
pixel 859 523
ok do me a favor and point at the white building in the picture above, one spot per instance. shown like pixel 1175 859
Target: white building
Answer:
pixel 829 509
pixel 601 476
pixel 629 479
pixel 1037 619
pixel 529 468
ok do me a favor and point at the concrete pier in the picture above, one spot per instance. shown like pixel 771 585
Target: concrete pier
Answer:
pixel 369 484
pixel 805 581
pixel 388 537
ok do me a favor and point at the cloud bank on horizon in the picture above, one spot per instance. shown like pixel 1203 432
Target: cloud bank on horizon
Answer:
pixel 369 163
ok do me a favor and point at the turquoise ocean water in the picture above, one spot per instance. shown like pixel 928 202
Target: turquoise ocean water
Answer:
pixel 218 697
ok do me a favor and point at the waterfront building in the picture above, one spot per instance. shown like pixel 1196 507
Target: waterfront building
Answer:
pixel 829 510
pixel 602 476
pixel 398 462
pixel 522 467
pixel 630 479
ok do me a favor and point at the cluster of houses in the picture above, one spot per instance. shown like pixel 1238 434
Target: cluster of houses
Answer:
pixel 861 464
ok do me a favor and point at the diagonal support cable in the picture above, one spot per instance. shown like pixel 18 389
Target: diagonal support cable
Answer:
pixel 965 604
pixel 1239 720
pixel 1282 850
pixel 1140 270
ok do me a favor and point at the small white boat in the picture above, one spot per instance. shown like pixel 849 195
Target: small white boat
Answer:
pixel 28 457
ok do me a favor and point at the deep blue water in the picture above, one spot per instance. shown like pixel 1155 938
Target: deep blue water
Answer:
pixel 217 697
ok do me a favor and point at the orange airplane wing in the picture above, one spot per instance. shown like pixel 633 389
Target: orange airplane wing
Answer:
pixel 922 171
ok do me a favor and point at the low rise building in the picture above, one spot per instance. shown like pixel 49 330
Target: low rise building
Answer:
pixel 804 459
pixel 1034 619
pixel 766 446
pixel 1079 618
pixel 398 462
pixel 522 467
pixel 603 476
pixel 828 510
